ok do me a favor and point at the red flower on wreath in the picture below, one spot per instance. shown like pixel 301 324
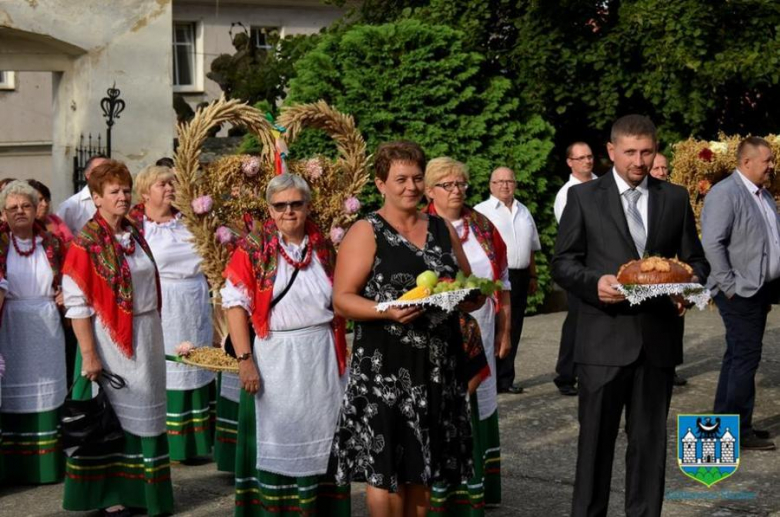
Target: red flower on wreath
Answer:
pixel 705 155
pixel 704 187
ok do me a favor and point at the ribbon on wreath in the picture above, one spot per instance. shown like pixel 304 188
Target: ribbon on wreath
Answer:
pixel 280 146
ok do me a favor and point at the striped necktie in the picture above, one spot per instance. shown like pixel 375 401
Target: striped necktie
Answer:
pixel 635 224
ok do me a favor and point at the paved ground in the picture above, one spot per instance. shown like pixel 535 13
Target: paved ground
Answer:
pixel 539 434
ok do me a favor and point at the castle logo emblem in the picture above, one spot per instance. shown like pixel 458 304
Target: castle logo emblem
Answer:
pixel 708 446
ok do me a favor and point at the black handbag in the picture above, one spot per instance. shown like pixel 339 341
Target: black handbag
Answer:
pixel 91 427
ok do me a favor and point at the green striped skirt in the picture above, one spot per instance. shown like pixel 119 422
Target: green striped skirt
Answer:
pixel 225 432
pixel 188 420
pixel 260 493
pixel 470 498
pixel 30 447
pixel 137 477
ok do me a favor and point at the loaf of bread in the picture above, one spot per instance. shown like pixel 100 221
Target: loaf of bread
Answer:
pixel 655 270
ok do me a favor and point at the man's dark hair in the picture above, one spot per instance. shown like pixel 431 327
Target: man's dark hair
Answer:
pixel 91 161
pixel 403 151
pixel 572 146
pixel 750 143
pixel 165 162
pixel 42 189
pixel 633 125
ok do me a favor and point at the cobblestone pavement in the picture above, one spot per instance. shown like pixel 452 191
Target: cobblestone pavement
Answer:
pixel 539 436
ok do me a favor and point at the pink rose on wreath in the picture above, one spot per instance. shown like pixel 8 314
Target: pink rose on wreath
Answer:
pixel 313 168
pixel 224 235
pixel 202 205
pixel 351 205
pixel 705 155
pixel 337 234
pixel 250 166
pixel 184 348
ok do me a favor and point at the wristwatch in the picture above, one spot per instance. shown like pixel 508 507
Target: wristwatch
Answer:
pixel 244 357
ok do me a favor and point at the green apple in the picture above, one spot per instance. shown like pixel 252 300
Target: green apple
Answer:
pixel 427 279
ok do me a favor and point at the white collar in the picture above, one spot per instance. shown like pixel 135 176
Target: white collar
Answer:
pixel 623 186
pixel 576 181
pixel 752 187
pixel 84 194
pixel 497 203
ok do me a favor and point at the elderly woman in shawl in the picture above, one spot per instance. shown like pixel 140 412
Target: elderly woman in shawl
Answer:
pixel 446 184
pixel 279 279
pixel 31 340
pixel 112 295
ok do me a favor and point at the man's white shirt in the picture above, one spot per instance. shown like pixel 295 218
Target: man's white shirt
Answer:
pixel 561 196
pixel 77 210
pixel 770 220
pixel 641 203
pixel 516 227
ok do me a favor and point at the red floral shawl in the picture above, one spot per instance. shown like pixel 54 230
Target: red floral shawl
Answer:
pixel 97 264
pixel 253 267
pixel 488 237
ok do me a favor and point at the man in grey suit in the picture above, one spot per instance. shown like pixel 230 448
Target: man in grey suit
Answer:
pixel 741 239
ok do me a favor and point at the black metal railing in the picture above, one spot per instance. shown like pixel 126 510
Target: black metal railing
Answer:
pixel 112 106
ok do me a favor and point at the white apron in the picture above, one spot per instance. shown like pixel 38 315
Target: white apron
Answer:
pixel 186 316
pixel 299 399
pixel 487 398
pixel 141 405
pixel 33 345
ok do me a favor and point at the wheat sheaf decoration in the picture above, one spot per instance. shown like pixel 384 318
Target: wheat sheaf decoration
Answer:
pixel 220 201
pixel 698 165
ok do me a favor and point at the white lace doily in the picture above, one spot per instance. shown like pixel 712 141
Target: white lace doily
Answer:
pixel 696 294
pixel 446 301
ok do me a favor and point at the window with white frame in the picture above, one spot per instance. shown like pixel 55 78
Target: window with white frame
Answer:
pixel 261 36
pixel 187 56
pixel 7 80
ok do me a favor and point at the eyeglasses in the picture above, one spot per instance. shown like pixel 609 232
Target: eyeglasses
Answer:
pixel 505 183
pixel 293 205
pixel 450 185
pixel 588 157
pixel 26 207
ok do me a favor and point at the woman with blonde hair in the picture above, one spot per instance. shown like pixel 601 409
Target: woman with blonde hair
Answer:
pixel 186 310
pixel 446 185
pixel 112 296
pixel 32 340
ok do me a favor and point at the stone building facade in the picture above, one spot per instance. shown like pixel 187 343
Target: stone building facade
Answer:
pixel 58 58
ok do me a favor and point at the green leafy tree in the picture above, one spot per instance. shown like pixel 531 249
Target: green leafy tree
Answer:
pixel 418 81
pixel 696 68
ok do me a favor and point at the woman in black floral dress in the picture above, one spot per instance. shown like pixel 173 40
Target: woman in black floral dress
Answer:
pixel 405 419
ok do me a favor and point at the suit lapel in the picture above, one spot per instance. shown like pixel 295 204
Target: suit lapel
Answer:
pixel 611 200
pixel 655 208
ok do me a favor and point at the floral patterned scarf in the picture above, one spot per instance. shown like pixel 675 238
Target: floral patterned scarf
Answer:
pixel 253 267
pixel 52 245
pixel 489 239
pixel 97 264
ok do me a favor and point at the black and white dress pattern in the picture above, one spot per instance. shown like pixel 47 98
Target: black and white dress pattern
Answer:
pixel 405 415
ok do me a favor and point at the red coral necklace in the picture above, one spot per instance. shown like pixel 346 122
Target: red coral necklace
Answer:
pixel 465 236
pixel 20 252
pixel 307 253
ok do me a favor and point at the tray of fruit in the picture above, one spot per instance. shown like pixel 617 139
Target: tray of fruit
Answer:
pixel 444 293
